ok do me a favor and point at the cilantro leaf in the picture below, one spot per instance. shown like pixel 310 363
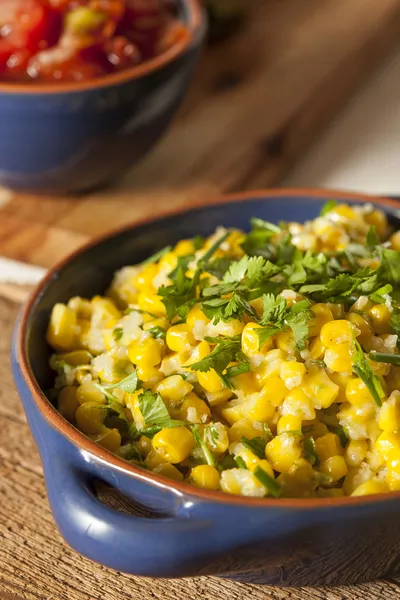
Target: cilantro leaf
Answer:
pixel 211 251
pixel 274 309
pixel 257 223
pixel 395 321
pixel 218 266
pixel 128 384
pixel 327 207
pixel 156 256
pixel 117 333
pixel 299 324
pixel 379 294
pixel 255 445
pixel 240 462
pixel 199 439
pixel 158 332
pixel 198 242
pixel 178 296
pixel 310 451
pixel 224 353
pixel 390 265
pixel 273 486
pixel 372 238
pixel 154 411
pixel 362 368
pixel 264 333
pixel 225 309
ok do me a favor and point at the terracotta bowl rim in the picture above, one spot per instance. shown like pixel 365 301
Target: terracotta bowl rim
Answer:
pixel 195 27
pixel 55 419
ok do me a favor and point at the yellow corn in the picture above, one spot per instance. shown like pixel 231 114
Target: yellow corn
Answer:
pixel 316 349
pixel 169 471
pixel 286 342
pixel 292 373
pixel 194 410
pixel 339 358
pixel 335 467
pixel 67 402
pixel 258 407
pixel 144 279
pixel 148 374
pixel 184 247
pixel 173 389
pixel 337 332
pixel 90 417
pixel 216 437
pixel 250 341
pixel 322 314
pixel 196 319
pixel 380 318
pixel 179 338
pixel 388 444
pixel 395 240
pixel 153 460
pixel 210 381
pixel 357 392
pixel 379 220
pixel 151 303
pixel 283 451
pixel 298 404
pixel 320 388
pixel 389 413
pixel 110 439
pixel 88 392
pixel 241 482
pixel 174 444
pixel 370 487
pixel 144 445
pixel 289 423
pixel 362 324
pixel 244 428
pixel 245 383
pixel 356 452
pixel 327 446
pixel 205 476
pixel 146 352
pixel 62 329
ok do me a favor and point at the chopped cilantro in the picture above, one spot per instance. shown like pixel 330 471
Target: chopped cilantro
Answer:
pixel 362 368
pixel 211 251
pixel 255 445
pixel 343 437
pixel 198 242
pixel 380 294
pixel 118 332
pixel 395 321
pixel 240 462
pixel 327 207
pixel 270 484
pixel 391 359
pixel 156 256
pixel 224 353
pixel 372 238
pixel 154 411
pixel 227 462
pixel 128 384
pixel 199 439
pixel 158 332
pixel 310 451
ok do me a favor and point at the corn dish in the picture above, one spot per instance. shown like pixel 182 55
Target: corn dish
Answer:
pixel 259 364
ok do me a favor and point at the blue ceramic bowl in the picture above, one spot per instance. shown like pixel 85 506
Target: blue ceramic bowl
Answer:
pixel 190 531
pixel 72 137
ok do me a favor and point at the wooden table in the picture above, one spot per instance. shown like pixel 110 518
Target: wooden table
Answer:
pixel 256 104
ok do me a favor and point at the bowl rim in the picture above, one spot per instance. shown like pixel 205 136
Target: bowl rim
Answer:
pixel 83 443
pixel 195 26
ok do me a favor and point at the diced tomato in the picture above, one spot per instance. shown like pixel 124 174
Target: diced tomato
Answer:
pixel 28 24
pixel 122 53
pixel 5 52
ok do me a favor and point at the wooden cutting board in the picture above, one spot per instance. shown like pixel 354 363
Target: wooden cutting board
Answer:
pixel 256 103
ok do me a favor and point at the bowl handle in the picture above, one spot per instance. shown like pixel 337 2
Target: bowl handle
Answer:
pixel 161 546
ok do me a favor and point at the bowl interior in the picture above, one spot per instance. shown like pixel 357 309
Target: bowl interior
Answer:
pixel 90 271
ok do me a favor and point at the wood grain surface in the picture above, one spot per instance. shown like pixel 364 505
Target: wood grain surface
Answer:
pixel 36 564
pixel 256 103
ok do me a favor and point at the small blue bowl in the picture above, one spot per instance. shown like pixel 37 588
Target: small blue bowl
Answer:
pixel 190 531
pixel 72 137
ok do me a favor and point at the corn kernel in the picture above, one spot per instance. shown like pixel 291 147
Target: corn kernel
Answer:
pixel 387 444
pixel 336 309
pixel 61 332
pixel 274 390
pixel 205 476
pixel 292 373
pixel 316 349
pixel 110 439
pixel 335 467
pixel 104 312
pixel 197 322
pixel 362 325
pixel 153 460
pixel 194 410
pixel 143 281
pixel 271 365
pixel 151 303
pixel 337 332
pixel 174 444
pixel 179 338
pixel 285 341
pixel 320 388
pixel 67 402
pixel 242 482
pixel 244 428
pixel 370 487
pixel 379 220
pixel 232 412
pixel 245 383
pixel 146 352
pixel 217 398
pixel 356 452
pixel 210 381
pixel 216 437
pixel 389 413
pixel 289 423
pixel 258 407
pixel 282 452
pixel 173 389
pixel 144 445
pixel 184 247
pixel 200 351
pixel 169 471
pixel 327 446
pixel 339 358
pixel 88 392
pixel 90 417
pixel 250 341
pixel 380 318
pixel 298 404
pixel 395 240
pixel 341 380
pixel 322 315
pixel 76 357
pixel 357 392
pixel 148 374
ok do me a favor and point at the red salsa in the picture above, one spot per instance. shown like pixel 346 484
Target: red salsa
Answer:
pixel 77 40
